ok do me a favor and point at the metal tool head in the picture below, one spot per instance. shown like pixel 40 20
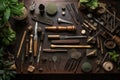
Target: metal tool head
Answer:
pixel 60 20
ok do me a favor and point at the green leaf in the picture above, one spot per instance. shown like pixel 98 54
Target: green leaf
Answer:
pixel 84 1
pixel 2 6
pixel 13 1
pixel 6 14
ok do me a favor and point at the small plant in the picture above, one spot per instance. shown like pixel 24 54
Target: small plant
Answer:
pixel 114 56
pixel 92 4
pixel 9 8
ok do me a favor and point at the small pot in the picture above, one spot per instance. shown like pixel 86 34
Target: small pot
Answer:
pixel 110 44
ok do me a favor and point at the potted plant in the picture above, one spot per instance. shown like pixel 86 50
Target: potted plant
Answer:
pixel 90 4
pixel 8 9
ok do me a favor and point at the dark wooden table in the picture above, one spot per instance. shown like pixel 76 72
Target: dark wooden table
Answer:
pixel 62 57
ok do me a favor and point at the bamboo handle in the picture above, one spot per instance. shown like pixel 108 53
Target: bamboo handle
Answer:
pixel 23 37
pixel 31 42
pixel 35 48
pixel 70 46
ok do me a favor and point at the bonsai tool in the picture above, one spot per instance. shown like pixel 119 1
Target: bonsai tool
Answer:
pixel 101 62
pixel 35 39
pixel 21 43
pixel 54 58
pixel 71 13
pixel 31 44
pixel 65 41
pixel 55 50
pixel 22 63
pixel 74 60
pixel 87 27
pixel 43 20
pixel 90 38
pixel 60 20
pixel 101 47
pixel 98 41
pixel 114 37
pixel 77 16
pixel 71 46
pixel 40 48
pixel 91 52
pixel 93 27
pixel 65 37
pixel 61 28
pixel 26 48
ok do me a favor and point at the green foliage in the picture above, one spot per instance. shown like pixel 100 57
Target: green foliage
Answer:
pixel 90 3
pixel 5 72
pixel 114 56
pixel 9 8
pixel 7 36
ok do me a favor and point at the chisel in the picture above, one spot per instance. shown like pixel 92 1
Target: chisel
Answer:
pixel 65 37
pixel 35 39
pixel 65 41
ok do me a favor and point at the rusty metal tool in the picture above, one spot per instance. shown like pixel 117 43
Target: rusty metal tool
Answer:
pixel 55 50
pixel 26 48
pixel 93 27
pixel 35 39
pixel 65 37
pixel 98 41
pixel 101 47
pixel 72 41
pixel 71 46
pixel 90 38
pixel 77 16
pixel 101 62
pixel 31 44
pixel 40 48
pixel 74 60
pixel 71 13
pixel 22 63
pixel 114 37
pixel 21 43
pixel 60 28
pixel 60 20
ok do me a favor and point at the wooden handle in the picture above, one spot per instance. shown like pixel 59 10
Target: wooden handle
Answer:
pixel 26 51
pixel 70 46
pixel 65 41
pixel 35 48
pixel 23 37
pixel 93 27
pixel 31 42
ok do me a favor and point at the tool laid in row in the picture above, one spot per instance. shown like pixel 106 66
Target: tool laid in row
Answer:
pixel 60 28
pixel 72 41
pixel 55 50
pixel 40 48
pixel 65 37
pixel 35 39
pixel 74 60
pixel 71 46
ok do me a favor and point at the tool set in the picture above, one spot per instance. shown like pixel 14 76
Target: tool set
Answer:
pixel 53 40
